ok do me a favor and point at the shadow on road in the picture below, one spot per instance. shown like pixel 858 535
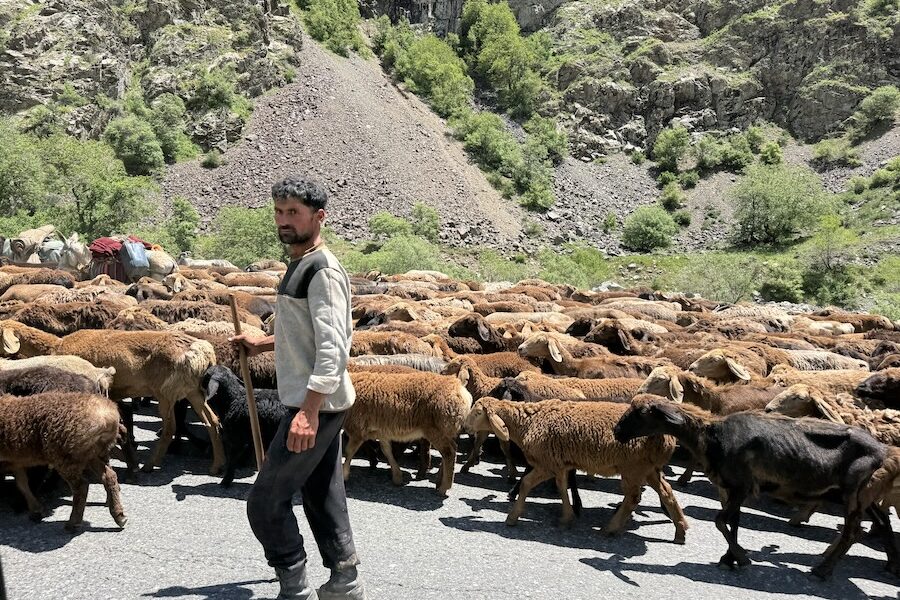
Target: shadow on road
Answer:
pixel 756 577
pixel 237 490
pixel 223 591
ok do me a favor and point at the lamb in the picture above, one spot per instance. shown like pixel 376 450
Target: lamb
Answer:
pixel 73 433
pixel 167 365
pixel 564 363
pixel 557 436
pixel 774 319
pixel 558 321
pixel 368 342
pixel 37 380
pixel 535 386
pixel 794 459
pixel 142 291
pixel 184 259
pixel 861 322
pixel 226 395
pixel 406 407
pixel 681 386
pixel 174 311
pixel 29 292
pixel 888 361
pixel 259 306
pixel 100 377
pixel 725 365
pixel 486 308
pixel 38 276
pixel 476 327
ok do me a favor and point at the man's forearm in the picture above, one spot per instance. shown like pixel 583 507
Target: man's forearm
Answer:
pixel 265 344
pixel 313 401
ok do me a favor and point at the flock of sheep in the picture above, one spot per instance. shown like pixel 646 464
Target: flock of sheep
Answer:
pixel 800 406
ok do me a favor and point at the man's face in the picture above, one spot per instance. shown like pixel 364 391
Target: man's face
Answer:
pixel 297 223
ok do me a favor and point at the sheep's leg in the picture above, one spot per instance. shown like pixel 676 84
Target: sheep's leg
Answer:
pixel 512 473
pixel 528 482
pixel 396 473
pixel 211 421
pixel 631 489
pixel 836 550
pixel 424 459
pixel 353 445
pixel 76 480
pixel 167 413
pixel 113 496
pixel 576 498
pixel 803 514
pixel 882 521
pixel 686 476
pixel 727 522
pixel 35 510
pixel 562 486
pixel 447 448
pixel 475 454
pixel 670 503
pixel 233 451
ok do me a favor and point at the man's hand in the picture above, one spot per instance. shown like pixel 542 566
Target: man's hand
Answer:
pixel 302 435
pixel 253 346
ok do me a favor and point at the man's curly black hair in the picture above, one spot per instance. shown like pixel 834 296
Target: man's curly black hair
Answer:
pixel 306 191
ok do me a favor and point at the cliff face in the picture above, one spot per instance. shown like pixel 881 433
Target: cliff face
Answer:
pixel 94 51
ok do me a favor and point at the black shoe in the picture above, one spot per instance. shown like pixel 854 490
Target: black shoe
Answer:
pixel 294 585
pixel 343 585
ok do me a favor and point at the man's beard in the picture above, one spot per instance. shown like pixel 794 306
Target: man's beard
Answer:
pixel 292 237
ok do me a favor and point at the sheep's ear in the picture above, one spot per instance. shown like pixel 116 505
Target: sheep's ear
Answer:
pixel 826 410
pixel 10 342
pixel 463 375
pixel 211 388
pixel 676 390
pixel 483 332
pixel 737 369
pixel 624 339
pixel 498 426
pixel 669 413
pixel 555 354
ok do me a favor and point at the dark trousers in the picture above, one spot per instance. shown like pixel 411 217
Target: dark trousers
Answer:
pixel 316 476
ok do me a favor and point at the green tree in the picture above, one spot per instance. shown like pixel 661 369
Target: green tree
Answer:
pixel 545 132
pixel 168 122
pixel 770 153
pixel 670 146
pixel 384 225
pixel 135 145
pixel 182 225
pixel 242 235
pixel 336 24
pixel 431 68
pixel 827 260
pixel 736 277
pixel 773 204
pixel 878 107
pixel 96 195
pixel 648 228
pixel 23 181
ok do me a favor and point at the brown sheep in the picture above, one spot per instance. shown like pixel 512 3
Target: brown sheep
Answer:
pixel 259 306
pixel 38 380
pixel 557 436
pixel 368 342
pixel 564 363
pixel 72 432
pixel 682 386
pixel 38 276
pixel 28 292
pixel 174 311
pixel 63 319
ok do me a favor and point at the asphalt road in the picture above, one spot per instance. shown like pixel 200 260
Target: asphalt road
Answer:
pixel 188 538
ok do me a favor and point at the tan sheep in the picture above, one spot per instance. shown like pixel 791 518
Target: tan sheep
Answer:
pixel 832 380
pixel 557 436
pixel 564 363
pixel 368 342
pixel 404 407
pixel 101 376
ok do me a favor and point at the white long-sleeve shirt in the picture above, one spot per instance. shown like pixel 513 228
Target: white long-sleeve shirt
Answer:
pixel 313 329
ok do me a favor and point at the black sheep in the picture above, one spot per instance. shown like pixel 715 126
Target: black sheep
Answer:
pixel 37 380
pixel 226 395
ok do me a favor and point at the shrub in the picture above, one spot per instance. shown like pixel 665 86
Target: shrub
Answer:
pixel 494 267
pixel 774 203
pixel 135 145
pixel 214 89
pixel 485 136
pixel 545 132
pixel 336 24
pixel 708 153
pixel 689 179
pixel 182 225
pixel 431 68
pixel 735 279
pixel 67 96
pixel 682 218
pixel 384 225
pixel 770 153
pixel 835 153
pixel 168 122
pixel 610 222
pixel 736 153
pixel 827 260
pixel 755 139
pixel 506 62
pixel 532 229
pixel 638 157
pixel 426 222
pixel 672 197
pixel 647 228
pixel 879 106
pixel 402 253
pixel 242 235
pixel 883 178
pixel 858 184
pixel 213 159
pixel 44 121
pixel 670 146
pixel 666 177
pixel 538 196
pixel 579 265
pixel 782 282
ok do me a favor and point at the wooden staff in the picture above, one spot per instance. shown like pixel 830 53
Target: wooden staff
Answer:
pixel 248 385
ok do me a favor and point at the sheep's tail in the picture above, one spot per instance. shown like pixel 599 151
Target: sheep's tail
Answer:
pixel 105 427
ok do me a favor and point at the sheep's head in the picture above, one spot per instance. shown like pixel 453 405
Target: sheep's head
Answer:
pixel 717 365
pixel 665 382
pixel 176 282
pixel 9 342
pixel 881 384
pixel 541 346
pixel 891 361
pixel 483 417
pixel 402 312
pixel 462 368
pixel 472 326
pixel 802 400
pixel 648 414
pixel 105 379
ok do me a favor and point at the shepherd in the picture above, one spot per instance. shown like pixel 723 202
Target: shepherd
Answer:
pixel 312 346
